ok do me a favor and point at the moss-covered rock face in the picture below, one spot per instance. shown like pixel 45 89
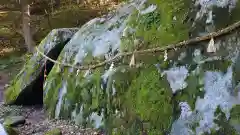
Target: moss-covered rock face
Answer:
pixel 204 104
pixel 32 70
pixel 14 121
pixel 178 94
pixel 159 22
pixel 7 130
pixel 184 91
pixel 212 15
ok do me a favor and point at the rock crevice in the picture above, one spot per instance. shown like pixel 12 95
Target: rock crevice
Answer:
pixel 33 93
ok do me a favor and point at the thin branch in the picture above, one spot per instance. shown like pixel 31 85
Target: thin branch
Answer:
pixel 54 61
pixel 152 50
pixel 48 17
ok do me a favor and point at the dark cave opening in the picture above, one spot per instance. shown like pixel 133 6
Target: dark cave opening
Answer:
pixel 33 93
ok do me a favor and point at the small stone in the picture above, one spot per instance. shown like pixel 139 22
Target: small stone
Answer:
pixel 54 131
pixel 14 121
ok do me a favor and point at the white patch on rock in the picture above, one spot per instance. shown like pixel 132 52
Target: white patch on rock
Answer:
pixel 98 36
pixel 180 126
pixel 185 110
pixel 96 119
pixel 197 56
pixel 56 36
pixel 217 88
pixel 210 18
pixel 87 73
pixel 138 4
pixel 207 5
pixel 127 31
pixel 182 56
pixel 2 130
pixel 176 78
pixel 62 92
pixel 108 73
pixel 113 90
pixel 150 9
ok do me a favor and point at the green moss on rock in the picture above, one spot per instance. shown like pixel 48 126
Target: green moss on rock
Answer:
pixel 51 96
pixel 217 65
pixel 54 131
pixel 224 126
pixel 132 100
pixel 193 90
pixel 14 121
pixel 11 130
pixel 160 27
pixel 33 67
pixel 235 115
pixel 149 99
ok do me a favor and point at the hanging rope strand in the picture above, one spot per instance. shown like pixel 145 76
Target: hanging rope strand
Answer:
pixel 45 72
pixel 193 41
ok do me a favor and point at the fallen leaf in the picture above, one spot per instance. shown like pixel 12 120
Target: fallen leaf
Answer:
pixel 165 55
pixel 132 61
pixel 211 46
pixel 112 65
pixel 77 72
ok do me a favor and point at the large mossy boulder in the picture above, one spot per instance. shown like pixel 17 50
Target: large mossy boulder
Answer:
pixel 27 87
pixel 183 91
pixel 160 94
pixel 211 15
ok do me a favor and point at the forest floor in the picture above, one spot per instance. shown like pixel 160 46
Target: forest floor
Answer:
pixel 36 119
pixel 3 81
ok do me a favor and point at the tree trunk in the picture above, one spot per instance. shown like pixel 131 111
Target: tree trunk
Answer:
pixel 26 26
pixel 58 2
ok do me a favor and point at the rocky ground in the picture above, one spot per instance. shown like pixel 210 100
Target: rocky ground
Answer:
pixel 36 122
pixel 3 80
pixel 33 120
